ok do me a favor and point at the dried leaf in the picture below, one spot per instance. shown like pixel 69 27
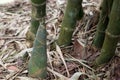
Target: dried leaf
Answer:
pixel 12 68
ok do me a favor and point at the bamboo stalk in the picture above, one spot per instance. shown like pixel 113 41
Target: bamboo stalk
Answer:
pixel 73 13
pixel 103 22
pixel 38 11
pixel 112 35
pixel 38 61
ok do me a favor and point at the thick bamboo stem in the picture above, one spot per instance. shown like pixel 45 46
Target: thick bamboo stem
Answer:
pixel 38 61
pixel 112 35
pixel 73 13
pixel 38 11
pixel 103 22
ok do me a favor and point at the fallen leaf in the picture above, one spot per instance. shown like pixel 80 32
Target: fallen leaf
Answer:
pixel 78 50
pixel 12 68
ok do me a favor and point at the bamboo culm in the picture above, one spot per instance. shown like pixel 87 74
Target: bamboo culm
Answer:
pixel 112 35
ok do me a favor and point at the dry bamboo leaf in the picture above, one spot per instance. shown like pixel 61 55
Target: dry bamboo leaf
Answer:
pixel 62 77
pixel 26 78
pixel 12 68
pixel 76 75
pixel 62 58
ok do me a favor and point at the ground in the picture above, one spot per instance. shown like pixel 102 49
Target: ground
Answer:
pixel 69 62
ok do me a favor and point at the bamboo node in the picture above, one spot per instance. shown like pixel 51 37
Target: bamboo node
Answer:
pixel 112 35
pixel 38 5
pixel 39 18
pixel 68 29
pixel 101 31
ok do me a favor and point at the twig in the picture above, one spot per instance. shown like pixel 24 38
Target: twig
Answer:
pixel 58 74
pixel 3 38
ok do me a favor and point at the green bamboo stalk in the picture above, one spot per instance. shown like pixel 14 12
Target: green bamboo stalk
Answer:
pixel 112 35
pixel 37 12
pixel 103 22
pixel 38 61
pixel 73 13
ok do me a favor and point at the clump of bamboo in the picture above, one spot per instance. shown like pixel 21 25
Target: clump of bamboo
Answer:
pixel 103 22
pixel 112 35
